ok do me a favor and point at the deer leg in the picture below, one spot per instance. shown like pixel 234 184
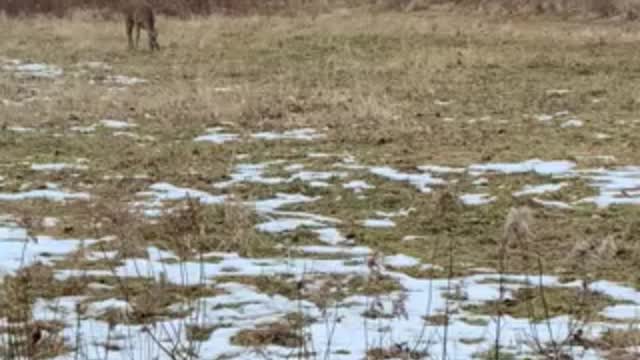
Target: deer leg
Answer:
pixel 129 27
pixel 155 40
pixel 150 39
pixel 137 35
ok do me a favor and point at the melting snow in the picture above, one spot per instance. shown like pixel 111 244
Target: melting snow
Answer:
pixel 57 167
pixel 558 91
pixel 401 260
pixel 441 169
pixel 422 182
pixel 48 194
pixel 537 166
pixel 544 117
pixel 168 192
pixel 622 312
pixel 242 307
pixel 298 134
pixel 34 70
pixel 216 136
pixel 477 199
pixel 330 236
pixel 280 200
pixel 286 224
pixel 378 223
pixel 572 123
pixel 251 173
pixel 358 186
pixel 116 124
pixel 20 129
pixel 125 80
pixel 539 189
pixel 552 204
pixel 316 175
pixel 17 250
pixel 83 129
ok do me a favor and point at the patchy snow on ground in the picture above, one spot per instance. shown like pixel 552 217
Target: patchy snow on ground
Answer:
pixel 423 182
pixel 217 136
pixel 44 194
pixel 34 70
pixel 401 313
pixel 116 124
pixel 378 223
pixel 477 199
pixel 539 189
pixel 287 224
pixel 535 166
pixel 358 186
pixel 306 134
pixel 362 321
pixel 21 129
pixel 160 192
pixel 572 123
pixel 124 80
pixel 57 167
pixel 18 249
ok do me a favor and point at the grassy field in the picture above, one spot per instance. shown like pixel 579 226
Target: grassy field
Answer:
pixel 393 99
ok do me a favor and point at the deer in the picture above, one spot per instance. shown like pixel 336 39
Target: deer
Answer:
pixel 140 15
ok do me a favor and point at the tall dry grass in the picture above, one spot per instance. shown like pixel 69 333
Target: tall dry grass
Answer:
pixel 168 7
pixel 107 8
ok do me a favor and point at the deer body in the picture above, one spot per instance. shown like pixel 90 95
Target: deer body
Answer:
pixel 139 16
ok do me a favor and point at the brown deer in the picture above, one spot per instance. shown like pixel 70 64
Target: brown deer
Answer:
pixel 139 15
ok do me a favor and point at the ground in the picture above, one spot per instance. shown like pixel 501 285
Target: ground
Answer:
pixel 353 184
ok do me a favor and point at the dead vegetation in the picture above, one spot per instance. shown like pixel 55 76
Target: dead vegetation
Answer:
pixel 107 9
pixel 282 334
pixel 388 88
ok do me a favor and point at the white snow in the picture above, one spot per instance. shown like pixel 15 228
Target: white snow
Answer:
pixel 378 223
pixel 18 250
pixel 244 307
pixel 477 199
pixel 48 194
pixel 330 236
pixel 423 182
pixel 57 167
pixel 401 260
pixel 544 117
pixel 572 123
pixel 217 136
pixel 306 134
pixel 116 124
pixel 358 186
pixel 536 166
pixel 169 192
pixel 558 91
pixel 286 224
pixel 124 80
pixel 540 189
pixel 34 70
pixel 441 169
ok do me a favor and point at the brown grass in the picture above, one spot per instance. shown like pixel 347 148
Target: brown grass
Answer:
pixel 374 83
pixel 105 9
pixel 280 334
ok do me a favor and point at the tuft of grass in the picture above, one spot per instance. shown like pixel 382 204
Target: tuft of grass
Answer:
pixel 395 352
pixel 279 334
pixel 527 302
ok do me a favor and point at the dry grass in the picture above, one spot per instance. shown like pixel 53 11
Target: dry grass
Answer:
pixel 102 9
pixel 397 89
pixel 373 81
pixel 280 334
